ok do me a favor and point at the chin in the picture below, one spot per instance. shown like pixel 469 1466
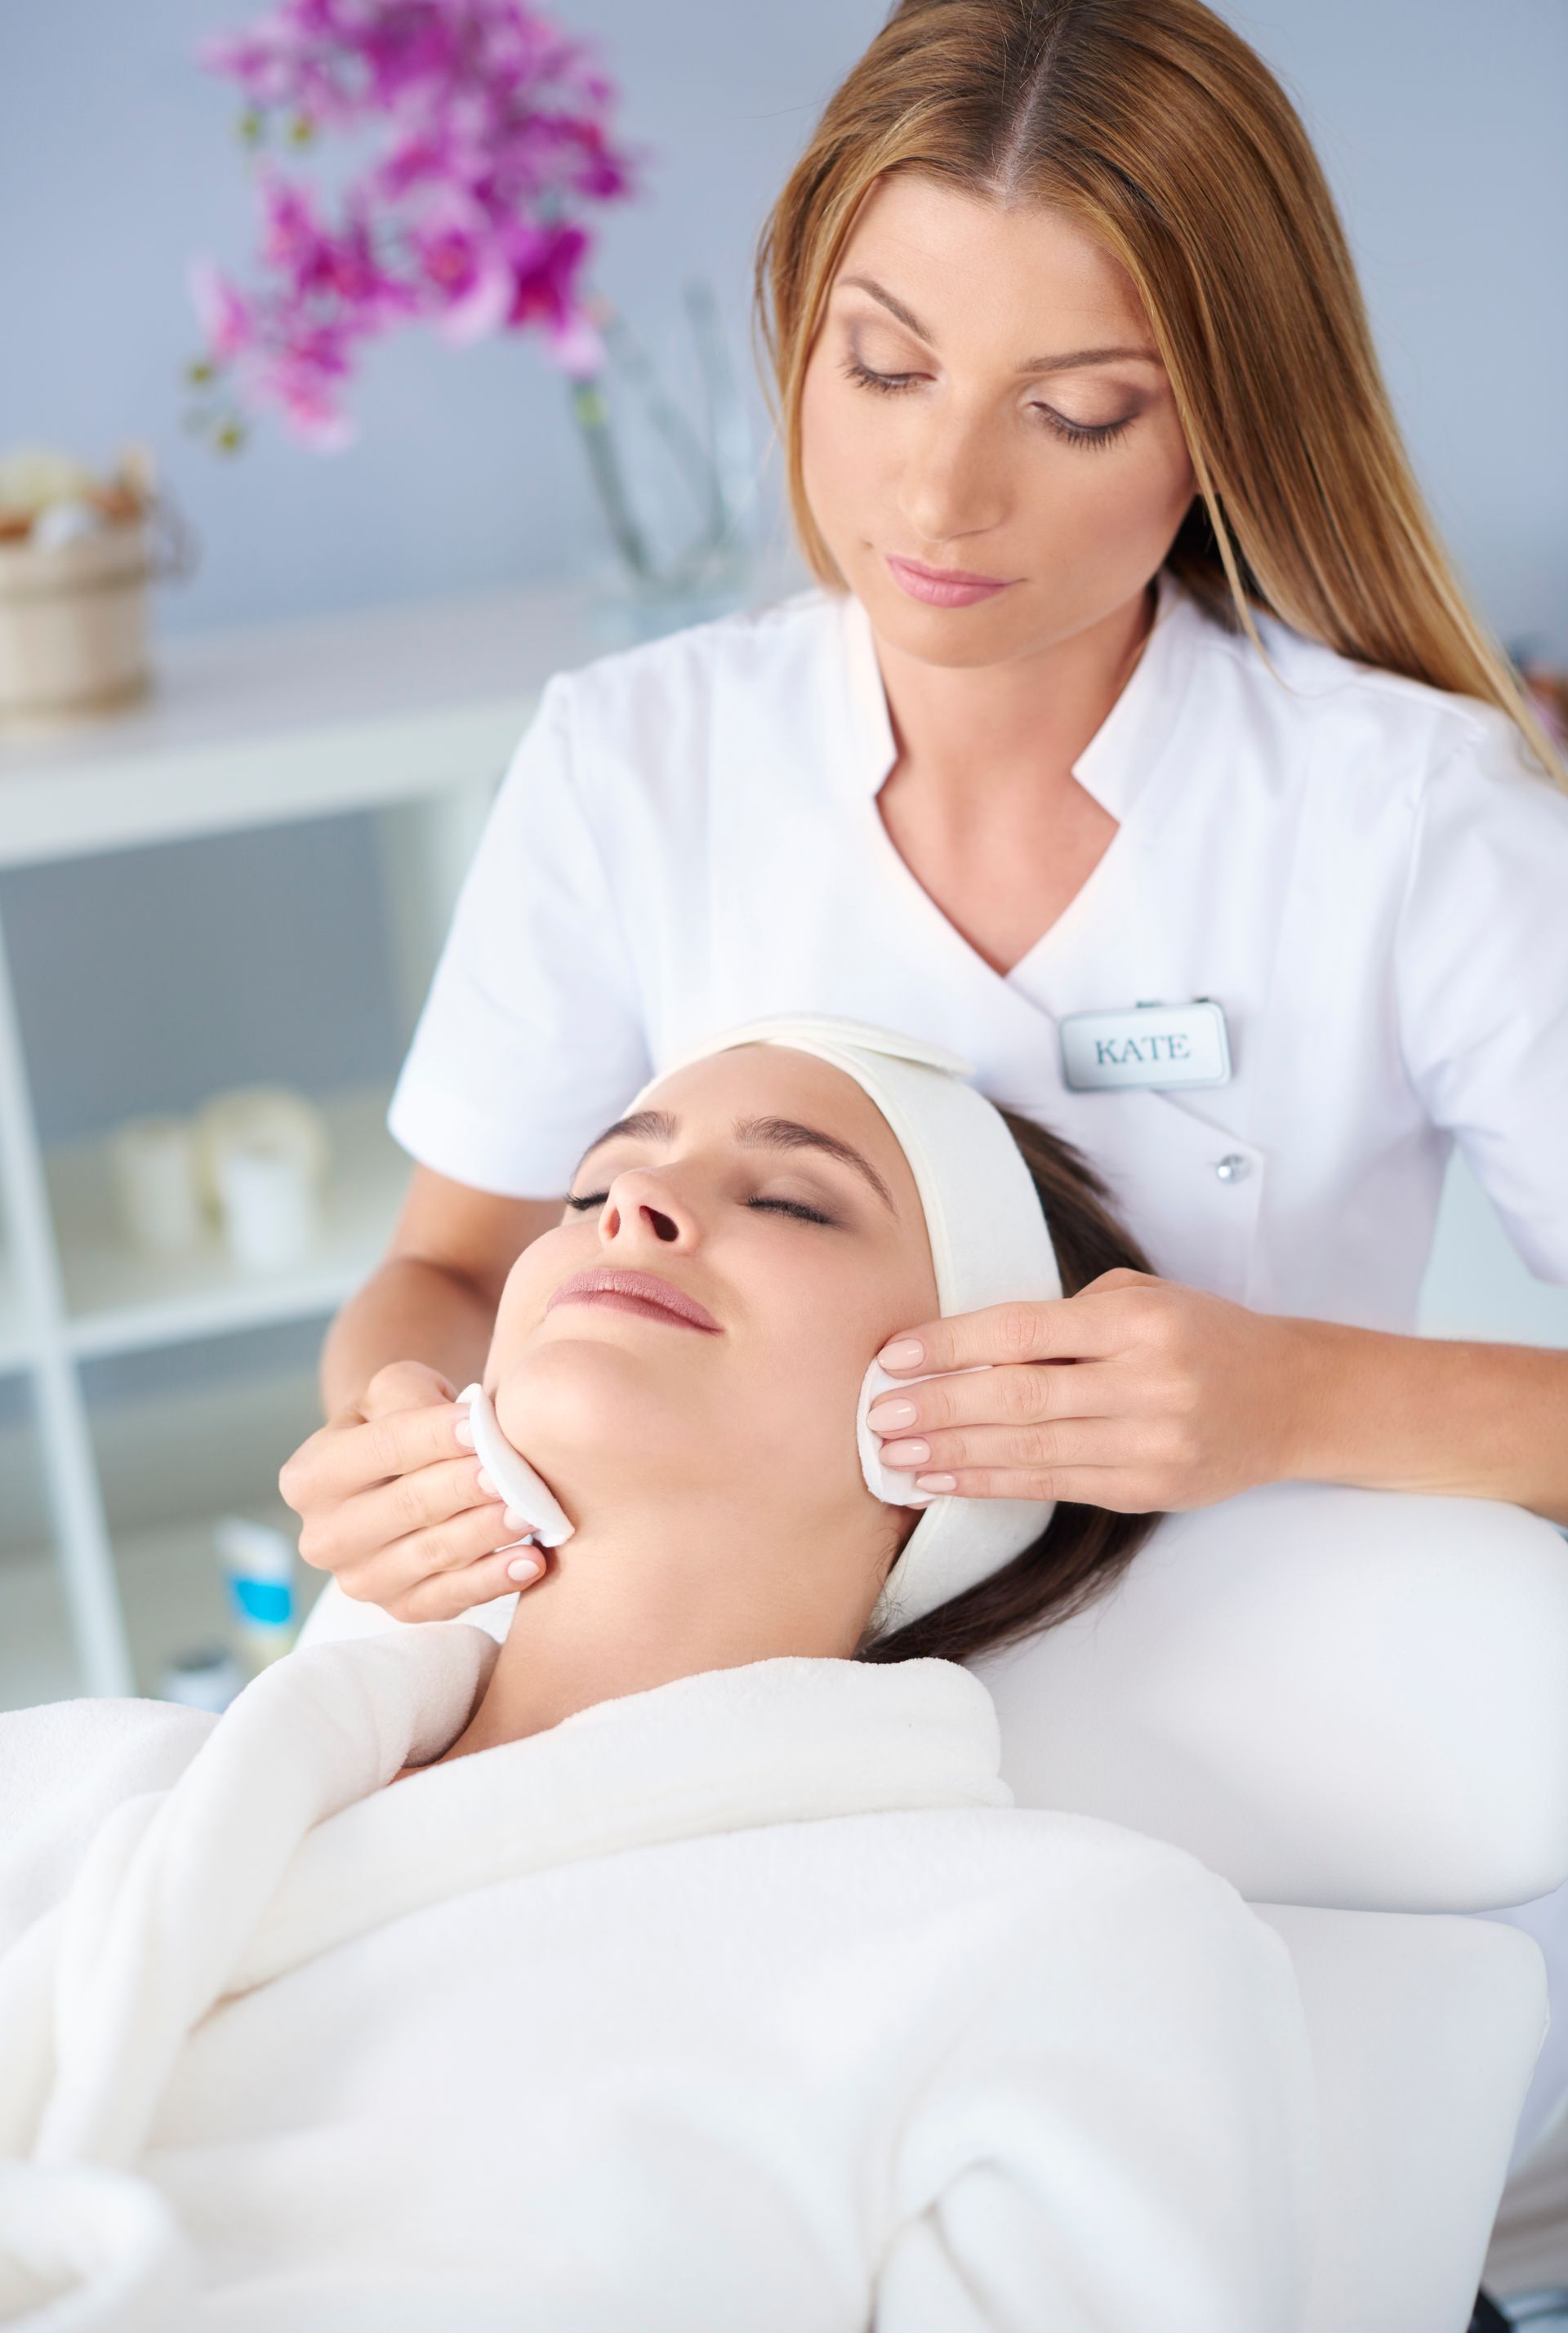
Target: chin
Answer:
pixel 575 1398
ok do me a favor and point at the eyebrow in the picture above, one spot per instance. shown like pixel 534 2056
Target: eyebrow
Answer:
pixel 643 1125
pixel 789 1134
pixel 1065 360
pixel 751 1134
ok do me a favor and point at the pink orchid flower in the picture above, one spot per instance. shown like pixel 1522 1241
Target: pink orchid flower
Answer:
pixel 486 141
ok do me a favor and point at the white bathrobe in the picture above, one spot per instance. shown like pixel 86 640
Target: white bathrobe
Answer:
pixel 746 2004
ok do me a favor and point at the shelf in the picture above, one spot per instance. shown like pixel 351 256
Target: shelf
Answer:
pixel 174 1599
pixel 174 1593
pixel 37 1659
pixel 15 1340
pixel 292 720
pixel 122 1300
pixel 258 725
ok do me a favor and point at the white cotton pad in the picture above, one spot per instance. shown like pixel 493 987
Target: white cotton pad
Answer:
pixel 513 1476
pixel 892 1484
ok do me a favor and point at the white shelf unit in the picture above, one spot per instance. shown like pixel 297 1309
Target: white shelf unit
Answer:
pixel 408 712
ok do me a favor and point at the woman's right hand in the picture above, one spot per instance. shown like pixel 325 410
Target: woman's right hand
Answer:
pixel 393 1503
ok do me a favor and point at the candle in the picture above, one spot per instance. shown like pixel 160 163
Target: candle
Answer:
pixel 153 1166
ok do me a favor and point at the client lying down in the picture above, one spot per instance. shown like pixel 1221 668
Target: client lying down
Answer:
pixel 695 1975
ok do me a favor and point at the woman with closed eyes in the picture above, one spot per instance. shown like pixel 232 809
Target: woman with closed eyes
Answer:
pixel 680 1960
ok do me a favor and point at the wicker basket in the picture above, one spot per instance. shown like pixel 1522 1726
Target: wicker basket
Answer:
pixel 74 622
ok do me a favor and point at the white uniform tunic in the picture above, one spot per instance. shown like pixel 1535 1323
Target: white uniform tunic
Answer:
pixel 1361 870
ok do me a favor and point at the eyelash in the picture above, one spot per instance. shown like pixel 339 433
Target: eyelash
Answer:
pixel 1075 433
pixel 792 1207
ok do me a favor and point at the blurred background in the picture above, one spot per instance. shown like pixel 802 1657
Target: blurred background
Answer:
pixel 219 904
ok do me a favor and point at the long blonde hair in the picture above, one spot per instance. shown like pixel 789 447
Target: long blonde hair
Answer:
pixel 1157 128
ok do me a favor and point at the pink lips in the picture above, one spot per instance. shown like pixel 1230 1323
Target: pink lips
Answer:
pixel 642 1292
pixel 943 587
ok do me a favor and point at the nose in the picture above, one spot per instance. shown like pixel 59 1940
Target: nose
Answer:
pixel 954 479
pixel 643 1210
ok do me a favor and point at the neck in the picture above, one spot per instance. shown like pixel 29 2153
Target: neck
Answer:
pixel 1015 722
pixel 626 1604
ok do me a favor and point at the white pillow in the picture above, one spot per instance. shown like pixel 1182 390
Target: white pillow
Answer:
pixel 1331 1696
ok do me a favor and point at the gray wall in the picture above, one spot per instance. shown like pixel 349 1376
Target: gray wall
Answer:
pixel 1441 122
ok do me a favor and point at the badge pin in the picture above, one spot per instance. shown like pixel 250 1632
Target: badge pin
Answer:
pixel 1146 1045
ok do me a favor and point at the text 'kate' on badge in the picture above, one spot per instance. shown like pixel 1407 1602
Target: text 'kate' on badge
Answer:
pixel 1146 1045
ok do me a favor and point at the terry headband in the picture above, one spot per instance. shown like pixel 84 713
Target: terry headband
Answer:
pixel 989 1244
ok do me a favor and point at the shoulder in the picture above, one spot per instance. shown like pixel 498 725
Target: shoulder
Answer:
pixel 774 651
pixel 1042 1906
pixel 640 737
pixel 91 1752
pixel 1049 1880
pixel 1342 723
pixel 65 1768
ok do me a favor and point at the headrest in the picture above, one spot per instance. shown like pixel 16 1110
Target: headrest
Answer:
pixel 1331 1696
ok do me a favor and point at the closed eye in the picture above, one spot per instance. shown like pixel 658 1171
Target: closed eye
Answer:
pixel 797 1208
pixel 1075 433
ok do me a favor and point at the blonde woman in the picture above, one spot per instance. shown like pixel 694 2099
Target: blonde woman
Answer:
pixel 683 1963
pixel 1135 739
pixel 1057 297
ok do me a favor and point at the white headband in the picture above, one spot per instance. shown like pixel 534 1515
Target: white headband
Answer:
pixel 989 1244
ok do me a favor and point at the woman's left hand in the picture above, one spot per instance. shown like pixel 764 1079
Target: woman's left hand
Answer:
pixel 1137 1394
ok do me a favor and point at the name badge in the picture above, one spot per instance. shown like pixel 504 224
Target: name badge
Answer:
pixel 1146 1045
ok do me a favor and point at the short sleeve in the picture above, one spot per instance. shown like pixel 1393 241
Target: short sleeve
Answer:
pixel 1481 973
pixel 530 1040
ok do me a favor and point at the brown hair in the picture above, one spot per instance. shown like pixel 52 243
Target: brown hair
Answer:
pixel 1166 137
pixel 1081 1549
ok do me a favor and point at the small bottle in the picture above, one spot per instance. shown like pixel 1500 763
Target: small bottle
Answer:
pixel 258 1563
pixel 207 1678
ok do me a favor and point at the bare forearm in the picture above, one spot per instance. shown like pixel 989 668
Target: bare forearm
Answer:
pixel 1430 1414
pixel 408 1311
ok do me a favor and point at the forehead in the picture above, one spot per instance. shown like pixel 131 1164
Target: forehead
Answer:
pixel 948 254
pixel 774 1081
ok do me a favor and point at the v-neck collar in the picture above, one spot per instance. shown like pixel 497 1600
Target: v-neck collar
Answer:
pixel 1118 760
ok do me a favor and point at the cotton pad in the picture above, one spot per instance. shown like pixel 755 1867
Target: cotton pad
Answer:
pixel 990 1243
pixel 894 1486
pixel 515 1479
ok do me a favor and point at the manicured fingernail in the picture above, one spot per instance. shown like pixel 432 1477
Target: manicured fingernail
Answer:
pixel 486 1485
pixel 463 1430
pixel 936 1482
pixel 886 1417
pixel 908 1354
pixel 513 1521
pixel 903 1455
pixel 526 1567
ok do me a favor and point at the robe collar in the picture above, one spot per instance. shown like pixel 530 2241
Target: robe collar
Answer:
pixel 783 1740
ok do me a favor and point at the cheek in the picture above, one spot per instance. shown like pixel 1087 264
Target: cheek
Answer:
pixel 842 449
pixel 819 1339
pixel 1128 498
pixel 543 1263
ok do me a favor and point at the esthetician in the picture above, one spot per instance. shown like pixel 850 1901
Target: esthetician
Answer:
pixel 1138 744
